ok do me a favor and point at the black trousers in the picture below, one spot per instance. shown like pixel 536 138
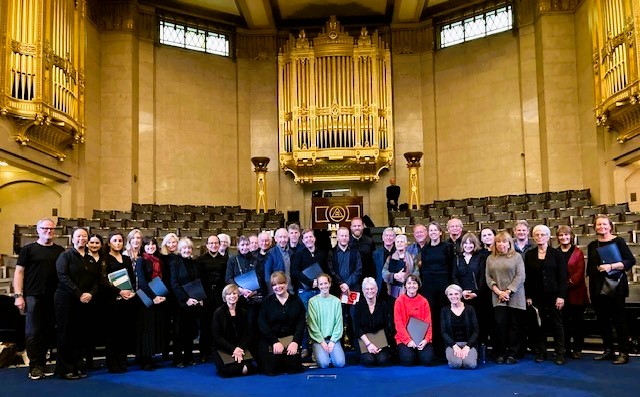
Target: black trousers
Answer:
pixel 72 331
pixel 187 330
pixel 274 364
pixel 40 327
pixel 551 320
pixel 573 321
pixel 410 356
pixel 507 331
pixel 610 311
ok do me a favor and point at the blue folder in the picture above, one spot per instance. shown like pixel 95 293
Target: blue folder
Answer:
pixel 248 281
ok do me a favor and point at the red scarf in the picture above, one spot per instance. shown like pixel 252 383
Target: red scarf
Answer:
pixel 155 261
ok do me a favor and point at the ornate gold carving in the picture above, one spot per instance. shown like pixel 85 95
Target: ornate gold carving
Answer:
pixel 40 133
pixel 40 96
pixel 547 6
pixel 413 164
pixel 335 106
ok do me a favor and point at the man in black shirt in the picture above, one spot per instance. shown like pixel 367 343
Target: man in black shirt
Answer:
pixel 213 267
pixel 34 283
pixel 393 195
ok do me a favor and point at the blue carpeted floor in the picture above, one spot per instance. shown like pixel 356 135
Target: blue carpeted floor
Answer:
pixel 577 378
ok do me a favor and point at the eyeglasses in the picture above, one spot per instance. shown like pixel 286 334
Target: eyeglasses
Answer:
pixel 213 243
pixel 47 228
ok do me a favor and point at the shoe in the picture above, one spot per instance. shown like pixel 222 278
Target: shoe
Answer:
pixel 70 376
pixel 81 374
pixel 48 370
pixel 540 358
pixel 36 373
pixel 608 354
pixel 179 365
pixel 560 360
pixel 147 367
pixel 576 355
pixel 511 360
pixel 304 353
pixel 500 360
pixel 623 358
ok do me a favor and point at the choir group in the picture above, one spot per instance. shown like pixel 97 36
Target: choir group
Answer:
pixel 275 304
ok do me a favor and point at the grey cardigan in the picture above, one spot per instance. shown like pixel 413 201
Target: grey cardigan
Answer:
pixel 507 273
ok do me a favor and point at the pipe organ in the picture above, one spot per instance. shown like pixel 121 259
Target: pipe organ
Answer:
pixel 42 80
pixel 334 105
pixel 615 66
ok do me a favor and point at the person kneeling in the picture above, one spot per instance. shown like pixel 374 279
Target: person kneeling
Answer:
pixel 412 317
pixel 459 327
pixel 231 336
pixel 324 320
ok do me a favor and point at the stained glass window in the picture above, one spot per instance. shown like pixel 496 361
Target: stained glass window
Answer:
pixel 477 26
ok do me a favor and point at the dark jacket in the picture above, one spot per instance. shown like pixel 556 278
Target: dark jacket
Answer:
pixel 355 268
pixel 226 336
pixel 470 320
pixel 596 278
pixel 77 274
pixel 470 276
pixel 301 261
pixel 547 282
pixel 183 271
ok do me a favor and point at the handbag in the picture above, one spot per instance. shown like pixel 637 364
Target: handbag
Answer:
pixel 610 284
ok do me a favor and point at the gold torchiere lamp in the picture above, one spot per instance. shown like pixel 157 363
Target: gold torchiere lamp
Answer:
pixel 260 167
pixel 413 163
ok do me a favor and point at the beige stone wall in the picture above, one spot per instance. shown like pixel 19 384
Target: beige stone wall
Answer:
pixel 197 140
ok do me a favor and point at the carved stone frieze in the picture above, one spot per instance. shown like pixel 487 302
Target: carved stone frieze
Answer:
pixel 256 46
pixel 44 135
pixel 622 118
pixel 412 40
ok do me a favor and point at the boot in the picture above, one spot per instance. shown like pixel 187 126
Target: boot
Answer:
pixel 623 358
pixel 608 354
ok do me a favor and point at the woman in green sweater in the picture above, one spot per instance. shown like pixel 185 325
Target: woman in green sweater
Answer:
pixel 324 319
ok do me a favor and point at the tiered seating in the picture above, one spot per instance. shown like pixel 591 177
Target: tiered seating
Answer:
pixel 194 221
pixel 570 207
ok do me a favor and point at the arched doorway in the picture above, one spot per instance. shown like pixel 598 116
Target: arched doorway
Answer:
pixel 24 202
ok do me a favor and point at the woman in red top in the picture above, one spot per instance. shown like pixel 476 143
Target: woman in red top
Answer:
pixel 577 297
pixel 411 304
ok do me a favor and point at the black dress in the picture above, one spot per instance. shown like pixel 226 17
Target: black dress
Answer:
pixel 230 332
pixel 150 336
pixel 120 317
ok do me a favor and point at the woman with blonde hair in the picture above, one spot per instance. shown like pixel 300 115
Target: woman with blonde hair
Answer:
pixel 231 335
pixel 132 247
pixel 505 277
pixel 608 286
pixel 459 327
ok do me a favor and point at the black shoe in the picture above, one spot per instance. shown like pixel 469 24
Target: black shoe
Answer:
pixel 36 373
pixel 560 360
pixel 540 358
pixel 500 360
pixel 606 355
pixel 576 355
pixel 70 376
pixel 511 360
pixel 623 358
pixel 81 374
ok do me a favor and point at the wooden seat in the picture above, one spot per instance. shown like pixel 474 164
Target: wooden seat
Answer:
pixel 537 197
pixel 491 208
pixel 558 195
pixel 497 200
pixel 501 216
pixel 515 207
pixel 145 216
pixel 545 214
pixel 183 216
pixel 518 215
pixel 518 199
pixel 474 209
pixel 616 208
pixel 481 217
pixel 534 206
pixel 102 214
pixel 555 204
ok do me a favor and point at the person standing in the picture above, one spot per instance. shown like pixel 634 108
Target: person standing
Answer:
pixel 608 303
pixel 212 267
pixel 365 245
pixel 78 276
pixel 34 283
pixel 393 195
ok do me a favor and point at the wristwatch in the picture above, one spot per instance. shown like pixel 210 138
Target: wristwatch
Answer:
pixel 16 296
